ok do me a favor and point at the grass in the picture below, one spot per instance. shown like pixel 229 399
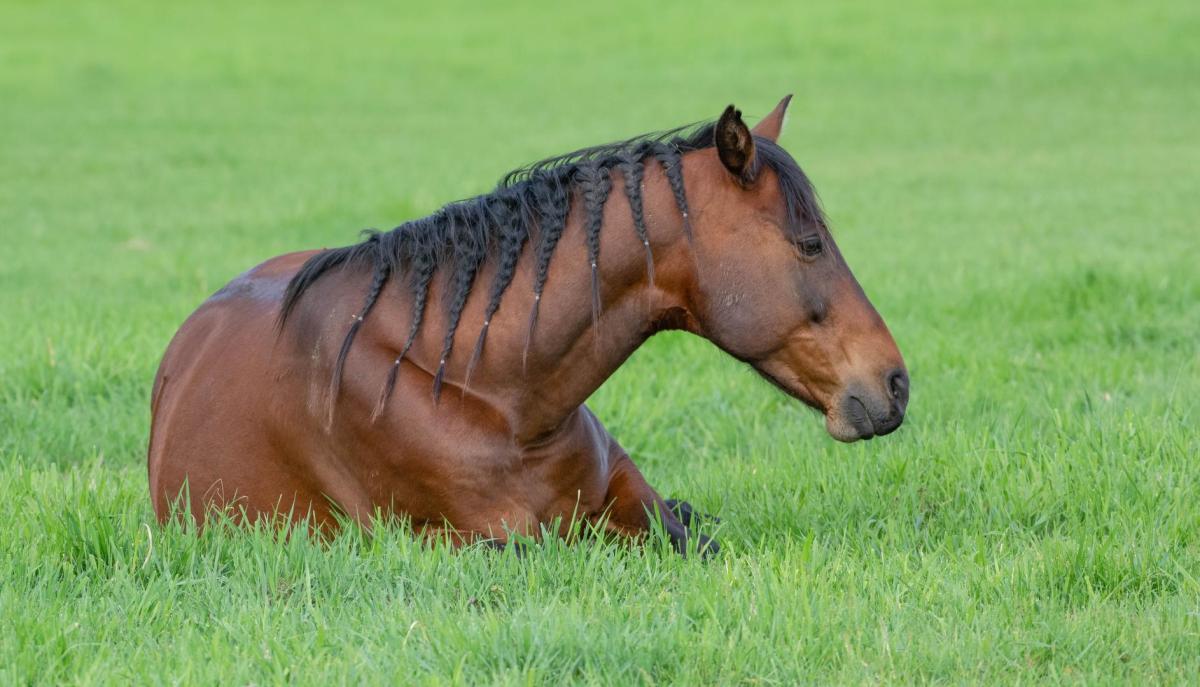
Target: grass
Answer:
pixel 1014 187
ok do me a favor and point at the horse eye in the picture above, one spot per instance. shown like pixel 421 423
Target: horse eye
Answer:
pixel 810 246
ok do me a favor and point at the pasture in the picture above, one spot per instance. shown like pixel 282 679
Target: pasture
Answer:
pixel 1016 189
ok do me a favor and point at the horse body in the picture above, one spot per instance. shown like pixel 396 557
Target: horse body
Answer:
pixel 246 417
pixel 239 412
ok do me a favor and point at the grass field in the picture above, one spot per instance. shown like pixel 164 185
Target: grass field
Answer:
pixel 1016 189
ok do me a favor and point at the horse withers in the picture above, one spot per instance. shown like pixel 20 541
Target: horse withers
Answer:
pixel 438 371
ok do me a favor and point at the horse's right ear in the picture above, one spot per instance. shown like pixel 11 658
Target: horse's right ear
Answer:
pixel 772 125
pixel 735 145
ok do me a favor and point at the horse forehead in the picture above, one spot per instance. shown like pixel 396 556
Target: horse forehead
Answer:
pixel 725 198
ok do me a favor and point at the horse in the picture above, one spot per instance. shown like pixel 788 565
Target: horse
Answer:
pixel 331 386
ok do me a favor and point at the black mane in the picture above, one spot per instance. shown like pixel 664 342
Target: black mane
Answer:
pixel 529 204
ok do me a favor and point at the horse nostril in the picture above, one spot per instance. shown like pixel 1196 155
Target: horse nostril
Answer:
pixel 897 384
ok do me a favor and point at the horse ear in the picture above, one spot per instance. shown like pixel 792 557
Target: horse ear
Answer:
pixel 735 145
pixel 772 125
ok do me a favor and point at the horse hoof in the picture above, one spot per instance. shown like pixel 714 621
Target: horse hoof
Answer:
pixel 708 547
pixel 517 548
pixel 687 545
pixel 689 516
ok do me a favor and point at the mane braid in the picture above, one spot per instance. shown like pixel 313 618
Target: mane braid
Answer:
pixel 594 184
pixel 382 272
pixel 553 208
pixel 672 164
pixel 422 266
pixel 632 170
pixel 530 204
pixel 470 248
pixel 512 240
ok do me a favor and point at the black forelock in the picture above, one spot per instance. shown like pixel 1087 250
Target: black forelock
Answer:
pixel 798 193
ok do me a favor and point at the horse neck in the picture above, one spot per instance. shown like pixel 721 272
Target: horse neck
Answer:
pixel 571 355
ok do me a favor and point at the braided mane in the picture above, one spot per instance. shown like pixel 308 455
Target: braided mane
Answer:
pixel 530 204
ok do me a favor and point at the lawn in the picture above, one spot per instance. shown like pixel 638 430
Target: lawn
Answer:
pixel 1016 189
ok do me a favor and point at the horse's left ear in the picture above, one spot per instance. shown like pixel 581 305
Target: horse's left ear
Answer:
pixel 772 125
pixel 735 145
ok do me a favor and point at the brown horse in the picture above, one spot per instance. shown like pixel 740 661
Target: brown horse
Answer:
pixel 333 381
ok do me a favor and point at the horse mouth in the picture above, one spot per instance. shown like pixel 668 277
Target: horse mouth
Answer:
pixel 856 414
pixel 847 422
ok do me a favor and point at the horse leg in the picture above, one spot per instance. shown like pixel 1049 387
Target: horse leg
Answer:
pixel 632 503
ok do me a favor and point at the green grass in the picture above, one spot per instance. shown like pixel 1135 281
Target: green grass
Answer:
pixel 1016 189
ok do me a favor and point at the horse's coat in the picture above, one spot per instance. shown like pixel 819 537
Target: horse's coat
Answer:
pixel 344 380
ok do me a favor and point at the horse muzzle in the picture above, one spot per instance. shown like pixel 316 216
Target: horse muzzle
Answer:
pixel 868 410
